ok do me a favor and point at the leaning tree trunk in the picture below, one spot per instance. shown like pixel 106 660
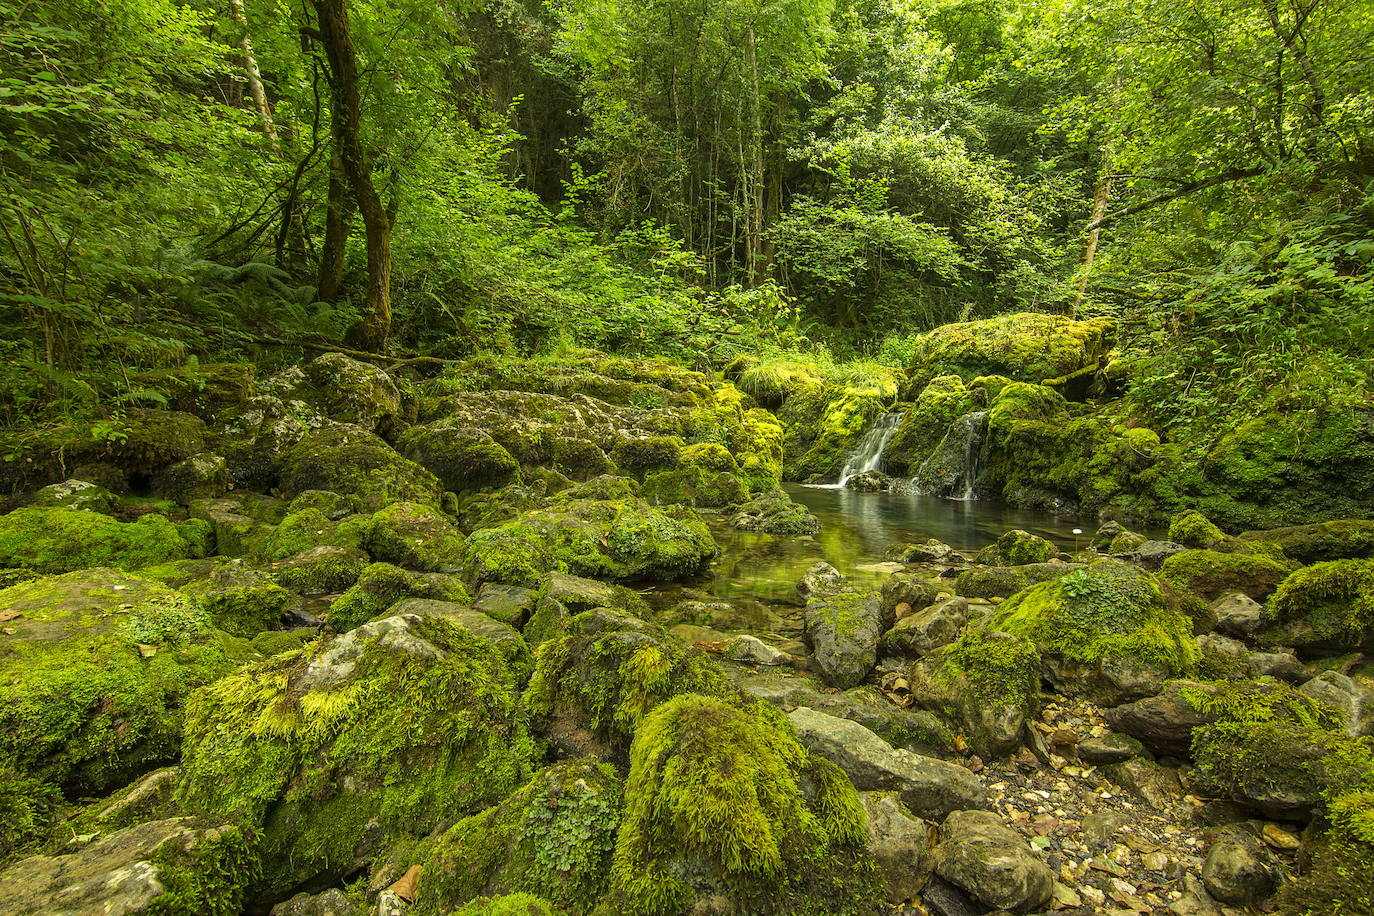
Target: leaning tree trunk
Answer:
pixel 255 87
pixel 373 328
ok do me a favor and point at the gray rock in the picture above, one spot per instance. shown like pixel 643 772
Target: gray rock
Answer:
pixel 932 551
pixel 900 844
pixel 1222 645
pixel 332 902
pixel 907 588
pixel 820 580
pixel 1237 614
pixel 843 629
pixel 1163 723
pixel 1282 666
pixel 754 651
pixel 321 570
pixel 503 637
pixel 929 787
pixel 119 874
pixel 937 625
pixel 203 476
pixel 1152 554
pixel 1157 785
pixel 1342 694
pixel 1099 829
pixel 76 494
pixel 1110 682
pixel 1110 748
pixel 510 604
pixel 985 857
pixel 1238 870
pixel 351 391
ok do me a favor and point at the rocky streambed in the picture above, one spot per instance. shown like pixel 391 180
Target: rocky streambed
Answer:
pixel 346 641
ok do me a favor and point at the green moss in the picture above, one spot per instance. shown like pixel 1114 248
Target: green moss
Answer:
pixel 840 415
pixel 385 732
pixel 414 536
pixel 771 381
pixel 1263 700
pixel 608 682
pixel 1125 542
pixel 1017 548
pixel 60 540
pixel 244 609
pixel 1339 881
pixel 1210 574
pixel 554 836
pixel 604 487
pixel 358 465
pixel 775 512
pixel 990 582
pixel 381 585
pixel 28 810
pixel 1342 539
pixel 208 879
pixel 939 404
pixel 723 801
pixel 692 485
pixel 1325 605
pixel 1025 346
pixel 508 905
pixel 579 458
pixel 94 673
pixel 650 453
pixel 511 553
pixel 321 570
pixel 462 457
pixel 1108 610
pixel 995 669
pixel 1193 529
pixel 306 528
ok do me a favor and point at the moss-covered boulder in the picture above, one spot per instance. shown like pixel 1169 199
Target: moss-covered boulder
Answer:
pixel 1209 574
pixel 1025 347
pixel 76 494
pixel 1193 529
pixel 357 464
pixel 239 523
pixel 1017 548
pixel 202 476
pixel 95 667
pixel 351 391
pixel 462 457
pixel 1339 875
pixel 775 512
pixel 986 685
pixel 1341 539
pixel 1110 623
pixel 60 540
pixel 990 582
pixel 553 837
pixel 844 628
pixel 644 455
pixel 381 585
pixel 181 866
pixel 724 809
pixel 509 905
pixel 942 401
pixel 237 598
pixel 825 427
pixel 1326 606
pixel 592 687
pixel 602 539
pixel 415 536
pixel 386 732
pixel 322 570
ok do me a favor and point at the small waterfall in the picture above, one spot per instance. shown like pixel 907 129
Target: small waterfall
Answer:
pixel 952 469
pixel 973 450
pixel 868 454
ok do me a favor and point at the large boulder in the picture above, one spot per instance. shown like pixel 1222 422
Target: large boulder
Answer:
pixel 61 540
pixel 1024 347
pixel 1209 574
pixel 725 812
pixel 95 668
pixel 179 866
pixel 350 391
pixel 355 463
pixel 985 684
pixel 381 585
pixel 1106 631
pixel 462 457
pixel 927 630
pixel 899 843
pixel 604 539
pixel 76 494
pixel 331 751
pixel 844 629
pixel 1017 548
pixel 1239 870
pixel 981 854
pixel 414 536
pixel 929 787
pixel 1326 606
pixel 1342 539
pixel 775 512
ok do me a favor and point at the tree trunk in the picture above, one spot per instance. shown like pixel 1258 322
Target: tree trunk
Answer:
pixel 1104 192
pixel 337 213
pixel 373 328
pixel 255 87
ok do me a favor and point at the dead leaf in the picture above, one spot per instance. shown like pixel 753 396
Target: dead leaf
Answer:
pixel 10 614
pixel 405 885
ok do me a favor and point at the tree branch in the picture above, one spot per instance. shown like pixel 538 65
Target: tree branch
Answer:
pixel 1183 190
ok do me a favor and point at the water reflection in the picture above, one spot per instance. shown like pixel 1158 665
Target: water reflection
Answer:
pixel 856 527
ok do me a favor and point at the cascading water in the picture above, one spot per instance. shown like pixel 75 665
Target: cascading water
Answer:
pixel 952 468
pixel 868 454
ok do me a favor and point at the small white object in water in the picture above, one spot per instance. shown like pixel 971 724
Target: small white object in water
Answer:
pixel 1078 531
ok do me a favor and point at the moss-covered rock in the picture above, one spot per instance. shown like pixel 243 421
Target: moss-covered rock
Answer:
pixel 1324 606
pixel 775 512
pixel 203 389
pixel 236 598
pixel 1024 347
pixel 323 570
pixel 59 540
pixel 305 528
pixel 1342 539
pixel 179 866
pixel 1193 529
pixel 579 458
pixel 385 732
pixel 1109 614
pixel 94 669
pixel 462 457
pixel 843 628
pixel 350 391
pixel 692 485
pixel 29 809
pixel 1338 879
pixel 238 523
pixel 1210 574
pixel 592 688
pixel 202 476
pixel 381 585
pixel 824 427
pixel 415 536
pixel 1017 548
pixel 990 582
pixel 723 805
pixel 985 684
pixel 640 456
pixel 553 837
pixel 613 539
pixel 76 494
pixel 941 402
pixel 355 463
pixel 508 905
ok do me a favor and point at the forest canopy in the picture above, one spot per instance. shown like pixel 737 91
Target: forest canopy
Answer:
pixel 183 181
